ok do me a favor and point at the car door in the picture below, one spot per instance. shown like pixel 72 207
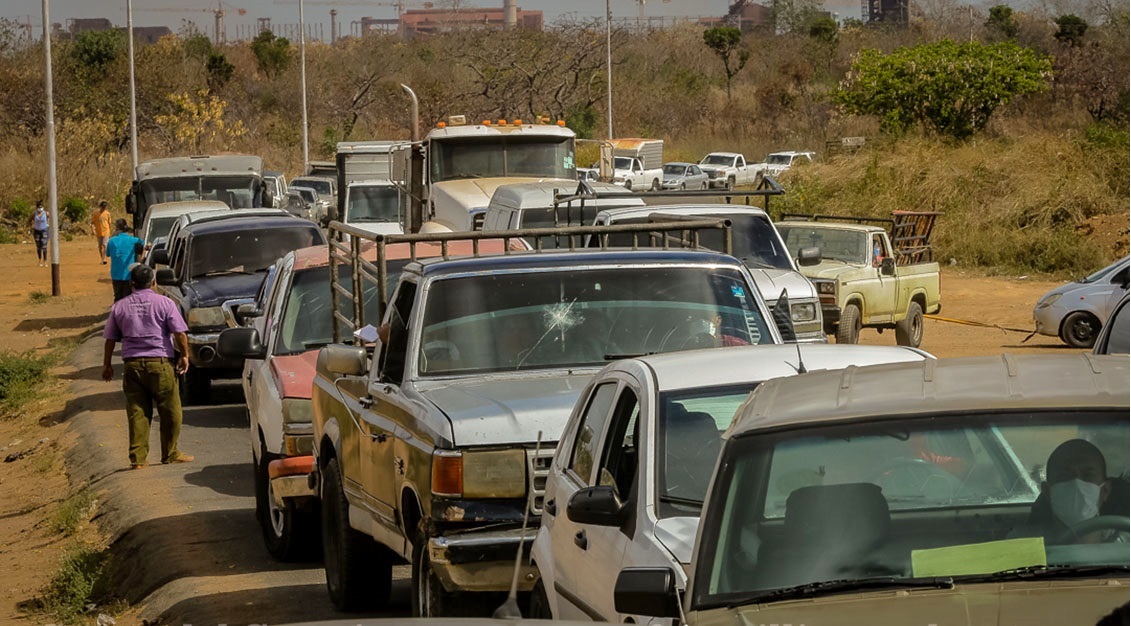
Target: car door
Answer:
pixel 262 392
pixel 889 297
pixel 743 175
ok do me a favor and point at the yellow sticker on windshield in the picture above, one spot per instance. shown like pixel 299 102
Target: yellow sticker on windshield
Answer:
pixel 978 558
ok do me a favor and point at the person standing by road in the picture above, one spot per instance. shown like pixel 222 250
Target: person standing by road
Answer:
pixel 39 227
pixel 148 325
pixel 101 223
pixel 123 250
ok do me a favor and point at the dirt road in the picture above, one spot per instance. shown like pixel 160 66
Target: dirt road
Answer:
pixel 187 533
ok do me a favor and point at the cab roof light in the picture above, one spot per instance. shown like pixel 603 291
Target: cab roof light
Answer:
pixel 517 122
pixel 441 125
pixel 502 122
pixel 457 120
pixel 486 122
pixel 561 123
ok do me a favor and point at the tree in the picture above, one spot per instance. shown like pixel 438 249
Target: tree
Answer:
pixel 1070 30
pixel 94 51
pixel 220 70
pixel 1001 22
pixel 726 43
pixel 273 54
pixel 948 88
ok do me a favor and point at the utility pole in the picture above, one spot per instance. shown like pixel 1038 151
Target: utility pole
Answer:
pixel 609 63
pixel 133 87
pixel 52 185
pixel 302 72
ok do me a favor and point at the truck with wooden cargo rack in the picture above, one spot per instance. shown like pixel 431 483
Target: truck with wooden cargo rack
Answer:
pixel 638 163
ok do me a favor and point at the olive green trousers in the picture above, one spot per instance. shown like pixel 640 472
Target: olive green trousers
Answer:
pixel 150 383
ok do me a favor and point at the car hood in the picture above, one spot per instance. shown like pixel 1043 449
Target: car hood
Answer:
pixel 379 228
pixel 295 373
pixel 770 283
pixel 475 193
pixel 507 409
pixel 677 534
pixel 214 290
pixel 713 168
pixel 828 269
pixel 1084 601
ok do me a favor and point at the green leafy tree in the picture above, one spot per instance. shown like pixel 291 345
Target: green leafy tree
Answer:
pixel 199 47
pixel 95 51
pixel 1070 30
pixel 726 43
pixel 1001 22
pixel 220 70
pixel 272 54
pixel 947 88
pixel 824 29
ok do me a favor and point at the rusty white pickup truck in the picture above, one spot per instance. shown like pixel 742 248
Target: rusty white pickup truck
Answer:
pixel 869 276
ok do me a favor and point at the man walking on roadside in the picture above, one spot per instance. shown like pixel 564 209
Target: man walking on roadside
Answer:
pixel 39 226
pixel 148 324
pixel 101 223
pixel 123 250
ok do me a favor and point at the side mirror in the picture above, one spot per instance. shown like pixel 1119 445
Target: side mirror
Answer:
pixel 808 256
pixel 887 266
pixel 646 591
pixel 245 312
pixel 166 277
pixel 598 506
pixel 342 360
pixel 160 257
pixel 241 343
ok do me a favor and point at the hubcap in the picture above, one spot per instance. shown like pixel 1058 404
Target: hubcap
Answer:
pixel 274 512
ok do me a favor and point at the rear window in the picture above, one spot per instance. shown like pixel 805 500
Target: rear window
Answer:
pixel 246 251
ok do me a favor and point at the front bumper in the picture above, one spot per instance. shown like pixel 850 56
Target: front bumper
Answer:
pixel 479 560
pixel 1048 320
pixel 290 478
pixel 830 313
pixel 203 353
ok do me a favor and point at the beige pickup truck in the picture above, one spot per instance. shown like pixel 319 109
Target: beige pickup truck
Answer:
pixel 869 277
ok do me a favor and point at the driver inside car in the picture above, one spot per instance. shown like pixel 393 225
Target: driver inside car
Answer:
pixel 1076 489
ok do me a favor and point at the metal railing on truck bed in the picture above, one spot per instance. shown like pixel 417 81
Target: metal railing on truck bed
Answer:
pixel 909 231
pixel 352 251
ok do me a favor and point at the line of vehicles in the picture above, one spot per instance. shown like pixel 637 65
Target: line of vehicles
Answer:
pixel 513 348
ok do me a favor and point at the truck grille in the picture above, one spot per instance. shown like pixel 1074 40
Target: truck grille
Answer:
pixel 537 471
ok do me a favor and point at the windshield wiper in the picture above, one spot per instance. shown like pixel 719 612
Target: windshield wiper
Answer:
pixel 221 273
pixel 681 501
pixel 1048 571
pixel 845 585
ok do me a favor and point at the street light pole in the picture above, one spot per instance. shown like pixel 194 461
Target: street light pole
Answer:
pixel 302 73
pixel 133 87
pixel 52 184
pixel 609 62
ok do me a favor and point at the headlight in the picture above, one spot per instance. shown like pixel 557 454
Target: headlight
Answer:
pixel 486 474
pixel 206 317
pixel 1048 301
pixel 803 311
pixel 825 287
pixel 297 411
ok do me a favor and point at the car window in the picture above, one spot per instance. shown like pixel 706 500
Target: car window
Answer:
pixel 618 455
pixel 1120 277
pixel 589 431
pixel 1117 338
pixel 695 171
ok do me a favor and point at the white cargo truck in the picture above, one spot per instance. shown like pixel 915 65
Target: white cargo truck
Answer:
pixel 361 161
pixel 638 163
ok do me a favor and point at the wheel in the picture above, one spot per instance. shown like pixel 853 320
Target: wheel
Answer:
pixel 1080 329
pixel 706 185
pixel 730 184
pixel 195 387
pixel 628 185
pixel 683 186
pixel 539 603
pixel 289 534
pixel 655 184
pixel 848 331
pixel 359 573
pixel 909 332
pixel 429 598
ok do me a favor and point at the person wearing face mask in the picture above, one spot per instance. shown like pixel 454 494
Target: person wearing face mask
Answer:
pixel 1076 489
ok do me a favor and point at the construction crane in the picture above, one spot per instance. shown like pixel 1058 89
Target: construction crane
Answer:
pixel 218 13
pixel 400 5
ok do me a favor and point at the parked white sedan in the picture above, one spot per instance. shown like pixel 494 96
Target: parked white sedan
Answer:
pixel 633 465
pixel 1075 312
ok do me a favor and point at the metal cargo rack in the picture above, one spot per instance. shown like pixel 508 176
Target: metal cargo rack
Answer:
pixel 359 244
pixel 909 231
pixel 767 188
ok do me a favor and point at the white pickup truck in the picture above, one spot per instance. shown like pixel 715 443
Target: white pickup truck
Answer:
pixel 631 174
pixel 728 169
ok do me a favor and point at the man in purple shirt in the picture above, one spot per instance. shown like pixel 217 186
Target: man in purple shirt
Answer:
pixel 147 324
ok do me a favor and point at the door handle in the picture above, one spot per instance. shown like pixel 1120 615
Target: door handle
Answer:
pixel 581 540
pixel 550 507
pixel 366 402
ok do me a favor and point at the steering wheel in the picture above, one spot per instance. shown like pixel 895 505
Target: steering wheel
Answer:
pixel 908 476
pixel 1100 522
pixel 441 350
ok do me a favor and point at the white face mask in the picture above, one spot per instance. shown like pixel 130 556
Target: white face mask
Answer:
pixel 1074 501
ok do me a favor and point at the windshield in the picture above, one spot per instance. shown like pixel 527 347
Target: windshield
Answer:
pixel 622 163
pixel 778 159
pixel 323 186
pixel 238 192
pixel 159 227
pixel 964 496
pixel 378 203
pixel 689 438
pixel 502 155
pixel 675 170
pixel 306 194
pixel 717 159
pixel 753 239
pixel 1101 274
pixel 515 320
pixel 246 251
pixel 307 323
pixel 848 246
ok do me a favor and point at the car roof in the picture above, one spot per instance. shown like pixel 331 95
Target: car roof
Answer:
pixel 729 154
pixel 680 209
pixel 680 163
pixel 540 195
pixel 830 225
pixel 730 366
pixel 982 384
pixel 182 207
pixel 316 177
pixel 246 222
pixel 319 256
pixel 565 260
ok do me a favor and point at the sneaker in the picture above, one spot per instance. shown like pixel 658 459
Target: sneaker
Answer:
pixel 181 457
pixel 137 466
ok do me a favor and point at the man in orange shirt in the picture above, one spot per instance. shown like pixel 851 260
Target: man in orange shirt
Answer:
pixel 101 223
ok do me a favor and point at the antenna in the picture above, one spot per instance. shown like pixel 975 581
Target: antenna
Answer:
pixel 509 608
pixel 800 362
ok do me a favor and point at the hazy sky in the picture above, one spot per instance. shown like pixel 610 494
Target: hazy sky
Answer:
pixel 318 11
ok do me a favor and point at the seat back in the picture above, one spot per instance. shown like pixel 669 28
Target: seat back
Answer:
pixel 692 443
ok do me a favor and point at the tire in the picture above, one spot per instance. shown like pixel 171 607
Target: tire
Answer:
pixel 539 603
pixel 196 387
pixel 628 185
pixel 706 185
pixel 909 332
pixel 730 184
pixel 1080 329
pixel 359 573
pixel 655 184
pixel 289 534
pixel 429 599
pixel 848 331
pixel 683 186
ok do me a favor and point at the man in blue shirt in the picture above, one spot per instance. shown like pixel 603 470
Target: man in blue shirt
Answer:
pixel 123 250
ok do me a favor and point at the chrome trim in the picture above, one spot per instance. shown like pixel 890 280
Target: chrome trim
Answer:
pixel 537 473
pixel 229 308
pixel 200 339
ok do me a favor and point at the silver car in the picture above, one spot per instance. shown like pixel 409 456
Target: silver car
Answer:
pixel 684 176
pixel 1075 312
